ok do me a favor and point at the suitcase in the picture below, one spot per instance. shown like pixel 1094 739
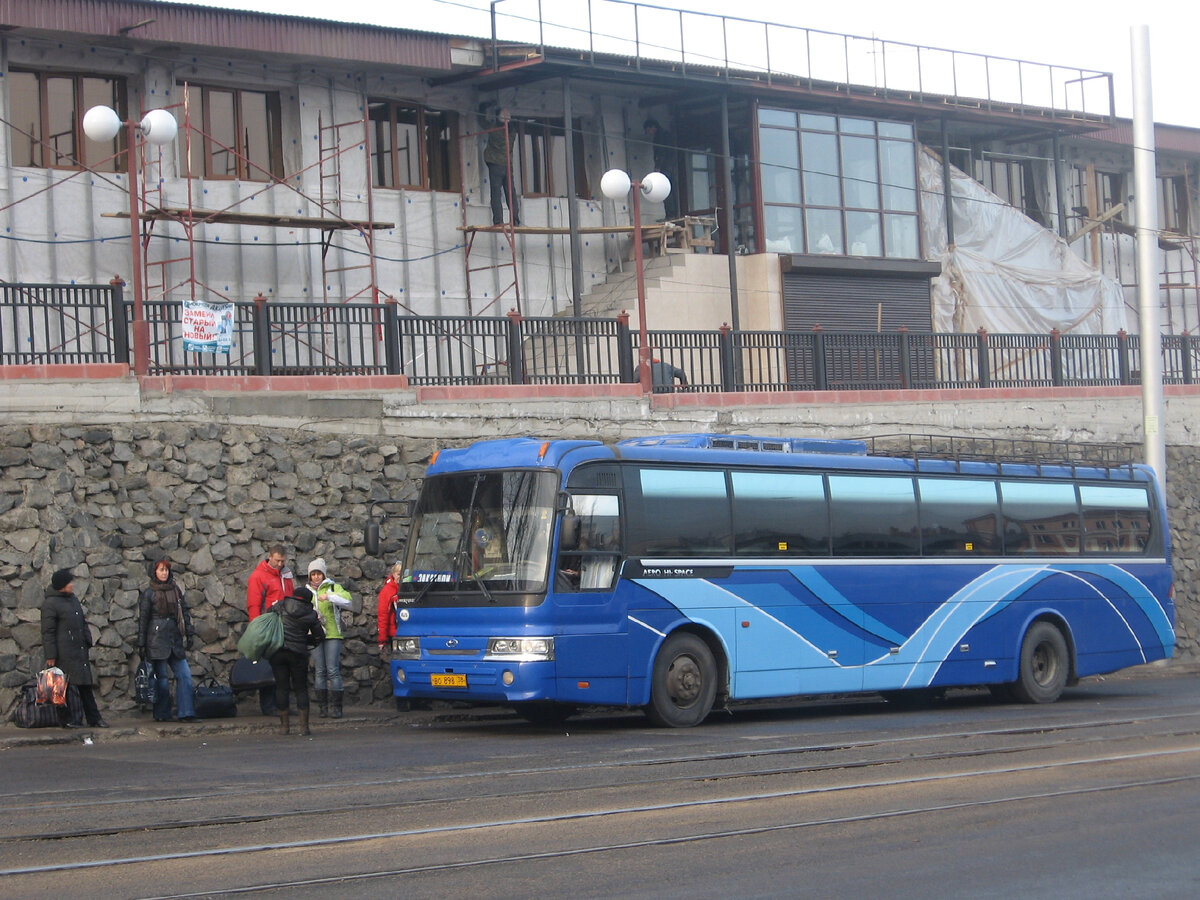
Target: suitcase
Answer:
pixel 250 675
pixel 215 701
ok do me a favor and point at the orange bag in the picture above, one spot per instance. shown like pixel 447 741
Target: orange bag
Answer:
pixel 52 686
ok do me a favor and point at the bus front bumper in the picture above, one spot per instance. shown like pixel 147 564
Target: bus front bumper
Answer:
pixel 474 682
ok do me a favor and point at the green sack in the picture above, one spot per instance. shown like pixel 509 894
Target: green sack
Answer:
pixel 262 637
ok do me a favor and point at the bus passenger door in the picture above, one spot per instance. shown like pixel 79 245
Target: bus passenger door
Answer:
pixel 591 653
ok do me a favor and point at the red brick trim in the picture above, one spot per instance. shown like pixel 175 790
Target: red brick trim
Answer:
pixel 168 384
pixel 72 372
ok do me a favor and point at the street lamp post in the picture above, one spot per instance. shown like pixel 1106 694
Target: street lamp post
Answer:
pixel 655 187
pixel 101 123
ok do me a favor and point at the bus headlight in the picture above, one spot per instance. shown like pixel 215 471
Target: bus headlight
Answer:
pixel 406 648
pixel 521 649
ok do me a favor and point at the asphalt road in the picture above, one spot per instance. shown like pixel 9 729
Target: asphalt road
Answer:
pixel 1094 796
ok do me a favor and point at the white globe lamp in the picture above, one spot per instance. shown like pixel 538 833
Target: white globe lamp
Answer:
pixel 614 184
pixel 656 187
pixel 101 123
pixel 159 127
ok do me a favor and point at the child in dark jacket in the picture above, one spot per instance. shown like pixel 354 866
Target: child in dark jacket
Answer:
pixel 301 632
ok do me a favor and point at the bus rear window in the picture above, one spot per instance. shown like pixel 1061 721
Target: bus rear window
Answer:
pixel 1116 520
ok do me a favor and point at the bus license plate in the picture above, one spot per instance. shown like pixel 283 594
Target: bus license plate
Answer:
pixel 450 681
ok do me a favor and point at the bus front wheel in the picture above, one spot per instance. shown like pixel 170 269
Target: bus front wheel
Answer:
pixel 684 683
pixel 1044 665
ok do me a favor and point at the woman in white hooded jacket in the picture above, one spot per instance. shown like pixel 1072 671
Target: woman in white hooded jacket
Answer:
pixel 328 599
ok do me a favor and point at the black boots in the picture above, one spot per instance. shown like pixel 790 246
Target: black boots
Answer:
pixel 337 703
pixel 323 703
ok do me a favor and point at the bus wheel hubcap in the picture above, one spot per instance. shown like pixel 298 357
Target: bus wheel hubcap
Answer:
pixel 683 681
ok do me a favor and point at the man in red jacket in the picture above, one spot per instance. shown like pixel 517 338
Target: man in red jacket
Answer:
pixel 269 583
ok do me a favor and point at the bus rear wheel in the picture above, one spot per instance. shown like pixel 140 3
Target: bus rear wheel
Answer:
pixel 1044 666
pixel 684 683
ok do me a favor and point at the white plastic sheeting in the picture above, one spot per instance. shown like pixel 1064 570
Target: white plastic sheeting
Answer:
pixel 1006 273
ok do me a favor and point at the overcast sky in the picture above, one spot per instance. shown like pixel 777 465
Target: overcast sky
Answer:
pixel 1092 36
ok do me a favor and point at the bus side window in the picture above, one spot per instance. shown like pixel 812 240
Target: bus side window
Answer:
pixel 959 517
pixel 1040 518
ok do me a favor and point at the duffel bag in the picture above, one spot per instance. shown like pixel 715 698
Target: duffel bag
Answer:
pixel 262 637
pixel 28 713
pixel 251 675
pixel 214 701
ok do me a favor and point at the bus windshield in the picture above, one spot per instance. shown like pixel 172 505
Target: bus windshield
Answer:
pixel 482 532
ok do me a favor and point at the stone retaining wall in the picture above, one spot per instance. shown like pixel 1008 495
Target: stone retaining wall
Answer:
pixel 103 497
pixel 102 500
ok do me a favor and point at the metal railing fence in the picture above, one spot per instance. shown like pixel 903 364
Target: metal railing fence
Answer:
pixel 77 324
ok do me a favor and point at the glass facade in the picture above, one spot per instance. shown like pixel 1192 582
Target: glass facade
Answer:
pixel 838 185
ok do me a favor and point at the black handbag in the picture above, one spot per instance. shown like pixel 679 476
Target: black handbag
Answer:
pixel 251 675
pixel 145 685
pixel 215 701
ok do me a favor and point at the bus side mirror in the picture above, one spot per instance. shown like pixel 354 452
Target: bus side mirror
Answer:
pixel 568 535
pixel 400 508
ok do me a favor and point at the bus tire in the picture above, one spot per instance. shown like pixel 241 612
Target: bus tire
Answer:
pixel 544 712
pixel 1044 666
pixel 683 686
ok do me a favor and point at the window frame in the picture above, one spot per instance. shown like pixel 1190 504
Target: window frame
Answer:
pixel 537 167
pixel 1173 207
pixel 437 152
pixel 87 154
pixel 244 167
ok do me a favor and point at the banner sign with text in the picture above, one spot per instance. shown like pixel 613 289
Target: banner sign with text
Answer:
pixel 207 327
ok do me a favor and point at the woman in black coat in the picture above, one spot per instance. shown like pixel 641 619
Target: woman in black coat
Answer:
pixel 164 637
pixel 301 632
pixel 66 637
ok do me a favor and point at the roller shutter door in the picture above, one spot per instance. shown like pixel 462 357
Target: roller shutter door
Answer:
pixel 853 303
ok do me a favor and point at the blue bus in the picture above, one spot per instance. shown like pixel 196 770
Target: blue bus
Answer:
pixel 678 573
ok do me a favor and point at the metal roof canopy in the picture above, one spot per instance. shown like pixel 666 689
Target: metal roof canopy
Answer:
pixel 687 86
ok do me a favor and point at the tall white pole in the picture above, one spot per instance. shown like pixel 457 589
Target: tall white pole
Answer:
pixel 1145 209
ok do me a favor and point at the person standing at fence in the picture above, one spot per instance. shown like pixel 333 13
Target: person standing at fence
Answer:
pixel 165 635
pixel 301 633
pixel 664 375
pixel 66 640
pixel 269 583
pixel 328 599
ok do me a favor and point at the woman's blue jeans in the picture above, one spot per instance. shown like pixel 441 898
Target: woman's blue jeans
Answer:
pixel 327 664
pixel 185 703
